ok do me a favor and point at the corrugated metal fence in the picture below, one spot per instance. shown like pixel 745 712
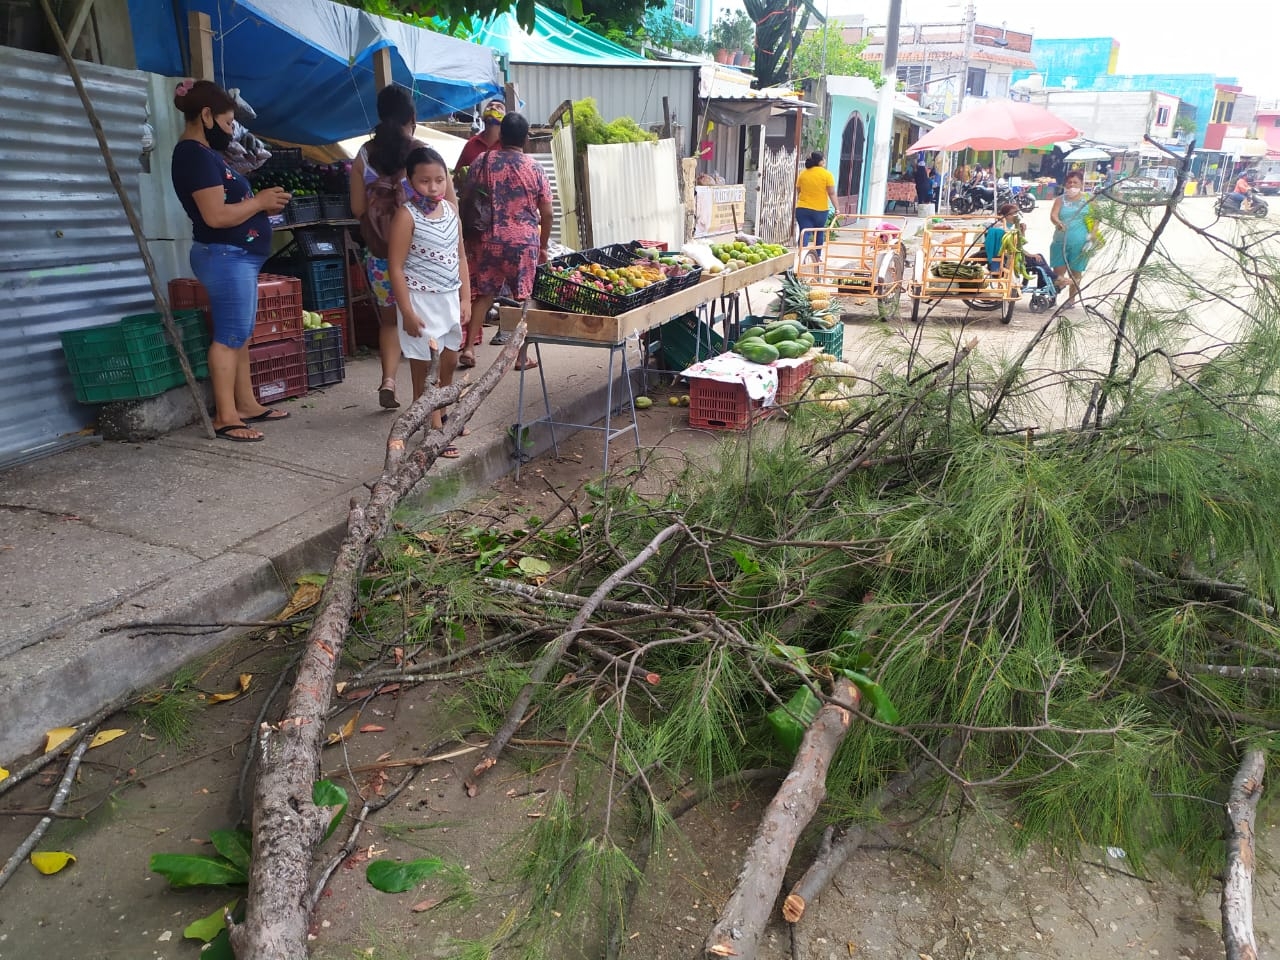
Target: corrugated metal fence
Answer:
pixel 67 257
pixel 633 193
pixel 619 91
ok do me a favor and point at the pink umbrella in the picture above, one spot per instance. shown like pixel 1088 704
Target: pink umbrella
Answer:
pixel 997 125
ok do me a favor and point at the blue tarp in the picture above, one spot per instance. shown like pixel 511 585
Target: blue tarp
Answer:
pixel 306 66
pixel 555 39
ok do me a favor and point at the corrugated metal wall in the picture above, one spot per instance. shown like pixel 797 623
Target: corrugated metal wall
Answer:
pixel 67 257
pixel 633 193
pixel 548 163
pixel 619 91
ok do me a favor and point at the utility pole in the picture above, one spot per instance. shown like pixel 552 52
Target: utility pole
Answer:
pixel 883 130
pixel 970 18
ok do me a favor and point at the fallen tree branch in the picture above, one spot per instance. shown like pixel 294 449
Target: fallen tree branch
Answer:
pixel 832 856
pixel 59 801
pixel 555 650
pixel 1237 883
pixel 1234 672
pixel 743 919
pixel 287 826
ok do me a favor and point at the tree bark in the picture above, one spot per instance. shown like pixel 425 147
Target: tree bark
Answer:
pixel 1237 883
pixel 737 932
pixel 287 826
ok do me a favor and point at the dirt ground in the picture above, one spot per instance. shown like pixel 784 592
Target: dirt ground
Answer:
pixel 935 890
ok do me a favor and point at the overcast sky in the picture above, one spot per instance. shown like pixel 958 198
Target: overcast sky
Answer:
pixel 1154 37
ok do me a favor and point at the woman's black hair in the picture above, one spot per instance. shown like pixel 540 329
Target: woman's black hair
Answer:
pixel 423 155
pixel 1073 175
pixel 514 131
pixel 203 93
pixel 813 159
pixel 390 146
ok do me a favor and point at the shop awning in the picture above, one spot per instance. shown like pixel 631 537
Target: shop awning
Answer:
pixel 306 66
pixel 1244 147
pixel 554 40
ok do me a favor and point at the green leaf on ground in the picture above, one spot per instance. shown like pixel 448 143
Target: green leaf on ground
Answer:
pixel 219 948
pixel 197 870
pixel 235 845
pixel 789 722
pixel 206 928
pixel 315 579
pixel 534 567
pixel 391 876
pixel 326 793
pixel 886 712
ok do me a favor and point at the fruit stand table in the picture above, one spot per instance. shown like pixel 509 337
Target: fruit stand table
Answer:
pixel 552 326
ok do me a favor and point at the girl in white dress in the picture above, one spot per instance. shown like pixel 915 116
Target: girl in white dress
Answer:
pixel 428 275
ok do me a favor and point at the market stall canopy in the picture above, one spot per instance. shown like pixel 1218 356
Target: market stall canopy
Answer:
pixel 446 144
pixel 1247 148
pixel 728 98
pixel 1086 154
pixel 306 66
pixel 996 125
pixel 554 40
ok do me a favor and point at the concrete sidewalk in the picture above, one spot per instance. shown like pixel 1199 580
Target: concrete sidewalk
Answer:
pixel 186 529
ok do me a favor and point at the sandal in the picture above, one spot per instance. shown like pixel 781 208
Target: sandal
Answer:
pixel 450 452
pixel 499 338
pixel 466 359
pixel 229 433
pixel 479 339
pixel 527 364
pixel 387 395
pixel 269 415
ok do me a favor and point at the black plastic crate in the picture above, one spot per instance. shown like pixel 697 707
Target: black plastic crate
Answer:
pixel 302 210
pixel 324 279
pixel 325 362
pixel 625 254
pixel 335 206
pixel 317 243
pixel 282 158
pixel 574 297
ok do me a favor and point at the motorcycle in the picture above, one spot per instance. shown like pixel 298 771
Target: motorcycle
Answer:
pixel 970 197
pixel 1228 205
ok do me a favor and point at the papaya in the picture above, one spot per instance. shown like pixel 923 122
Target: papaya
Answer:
pixel 807 338
pixel 643 403
pixel 790 349
pixel 750 332
pixel 787 332
pixel 757 351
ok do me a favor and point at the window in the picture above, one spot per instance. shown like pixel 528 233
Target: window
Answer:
pixel 976 85
pixel 1162 116
pixel 682 11
pixel 915 77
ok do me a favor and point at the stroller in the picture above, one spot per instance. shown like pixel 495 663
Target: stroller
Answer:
pixel 1044 291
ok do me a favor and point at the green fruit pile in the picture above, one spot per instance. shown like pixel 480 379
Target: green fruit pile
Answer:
pixel 781 339
pixel 739 254
pixel 313 321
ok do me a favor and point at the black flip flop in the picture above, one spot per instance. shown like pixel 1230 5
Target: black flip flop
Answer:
pixel 225 433
pixel 269 415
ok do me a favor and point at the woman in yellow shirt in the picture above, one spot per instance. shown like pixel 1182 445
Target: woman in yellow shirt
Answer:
pixel 816 193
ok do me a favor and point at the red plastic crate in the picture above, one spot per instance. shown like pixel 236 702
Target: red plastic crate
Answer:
pixel 278 370
pixel 279 305
pixel 791 380
pixel 722 406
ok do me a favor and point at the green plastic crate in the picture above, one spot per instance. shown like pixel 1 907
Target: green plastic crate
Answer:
pixel 131 359
pixel 686 340
pixel 830 341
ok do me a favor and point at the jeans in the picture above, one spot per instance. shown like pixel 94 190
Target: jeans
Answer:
pixel 230 277
pixel 811 222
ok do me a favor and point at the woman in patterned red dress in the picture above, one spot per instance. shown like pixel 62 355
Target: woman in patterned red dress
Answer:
pixel 504 260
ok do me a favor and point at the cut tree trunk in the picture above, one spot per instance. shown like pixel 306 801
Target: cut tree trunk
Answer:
pixel 1237 884
pixel 742 922
pixel 287 826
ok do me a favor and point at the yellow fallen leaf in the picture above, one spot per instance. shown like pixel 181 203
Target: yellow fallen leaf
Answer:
pixel 51 861
pixel 4 774
pixel 57 737
pixel 105 736
pixel 245 679
pixel 348 729
pixel 306 596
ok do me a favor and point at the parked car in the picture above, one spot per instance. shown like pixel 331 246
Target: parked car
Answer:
pixel 1149 183
pixel 1267 177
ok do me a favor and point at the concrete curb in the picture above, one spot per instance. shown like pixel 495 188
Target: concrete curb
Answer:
pixel 83 665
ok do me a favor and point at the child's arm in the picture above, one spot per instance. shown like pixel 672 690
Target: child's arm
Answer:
pixel 397 253
pixel 464 274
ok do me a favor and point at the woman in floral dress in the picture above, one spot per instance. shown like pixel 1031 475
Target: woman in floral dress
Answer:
pixel 503 260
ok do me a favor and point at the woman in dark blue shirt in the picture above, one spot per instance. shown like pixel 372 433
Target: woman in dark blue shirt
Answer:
pixel 232 240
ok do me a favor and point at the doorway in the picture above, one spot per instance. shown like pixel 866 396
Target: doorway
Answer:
pixel 853 148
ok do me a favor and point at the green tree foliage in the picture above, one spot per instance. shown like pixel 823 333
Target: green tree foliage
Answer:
pixel 843 59
pixel 779 27
pixel 733 31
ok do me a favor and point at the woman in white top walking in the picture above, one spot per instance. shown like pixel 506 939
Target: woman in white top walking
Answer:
pixel 428 276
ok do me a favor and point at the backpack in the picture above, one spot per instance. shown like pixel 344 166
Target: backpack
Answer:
pixel 383 199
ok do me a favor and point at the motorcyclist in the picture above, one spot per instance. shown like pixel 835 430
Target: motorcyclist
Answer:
pixel 1240 193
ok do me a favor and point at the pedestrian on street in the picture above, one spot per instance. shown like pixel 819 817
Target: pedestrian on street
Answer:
pixel 504 259
pixel 232 234
pixel 383 158
pixel 429 276
pixel 816 195
pixel 1071 247
pixel 924 189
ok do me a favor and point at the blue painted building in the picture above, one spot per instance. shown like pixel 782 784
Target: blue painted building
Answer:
pixel 695 15
pixel 1089 63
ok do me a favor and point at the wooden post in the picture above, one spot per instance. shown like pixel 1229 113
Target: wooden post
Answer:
pixel 162 301
pixel 77 22
pixel 511 96
pixel 200 37
pixel 666 118
pixel 382 68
